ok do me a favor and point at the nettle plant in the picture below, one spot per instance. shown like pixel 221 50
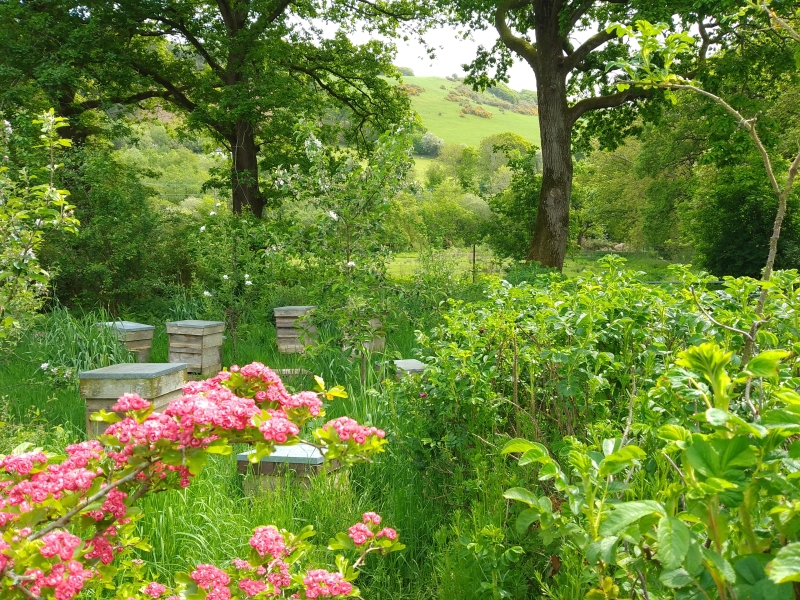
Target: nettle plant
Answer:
pixel 28 211
pixel 64 520
pixel 352 194
pixel 710 510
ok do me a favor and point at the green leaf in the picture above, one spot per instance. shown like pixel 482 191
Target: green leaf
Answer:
pixel 525 519
pixel 627 513
pixel 786 564
pixel 518 445
pixel 621 459
pixel 676 579
pixel 673 542
pixel 721 565
pixel 766 364
pixel 522 495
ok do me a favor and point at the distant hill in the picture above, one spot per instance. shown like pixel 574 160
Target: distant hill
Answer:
pixel 443 117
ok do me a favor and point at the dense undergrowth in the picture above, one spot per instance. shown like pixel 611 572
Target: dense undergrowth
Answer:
pixel 564 362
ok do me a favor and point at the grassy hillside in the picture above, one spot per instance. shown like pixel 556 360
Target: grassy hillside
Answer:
pixel 442 118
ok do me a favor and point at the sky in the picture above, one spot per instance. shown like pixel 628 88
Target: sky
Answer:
pixel 451 53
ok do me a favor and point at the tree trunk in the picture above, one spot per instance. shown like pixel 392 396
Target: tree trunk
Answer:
pixel 549 242
pixel 244 171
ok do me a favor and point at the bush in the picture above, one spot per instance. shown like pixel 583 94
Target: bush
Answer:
pixel 429 145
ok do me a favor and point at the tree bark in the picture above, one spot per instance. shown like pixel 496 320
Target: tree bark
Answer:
pixel 244 171
pixel 549 242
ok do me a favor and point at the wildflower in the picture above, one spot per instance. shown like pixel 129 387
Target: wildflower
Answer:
pixel 225 277
pixel 202 229
pixel 351 264
pixel 207 294
pixel 212 213
pixel 268 540
pixel 246 276
pixel 155 590
pixel 333 215
pixel 44 366
pixel 248 282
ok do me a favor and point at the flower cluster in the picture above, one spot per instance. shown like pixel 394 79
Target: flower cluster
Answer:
pixel 349 429
pixel 62 518
pixel 361 533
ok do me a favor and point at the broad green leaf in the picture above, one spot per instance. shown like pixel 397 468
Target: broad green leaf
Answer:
pixel 676 579
pixel 522 495
pixel 525 519
pixel 673 542
pixel 621 459
pixel 786 564
pixel 627 513
pixel 766 364
pixel 721 565
pixel 518 445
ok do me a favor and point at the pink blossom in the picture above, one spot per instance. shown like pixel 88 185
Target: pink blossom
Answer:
pixel 252 587
pixel 388 533
pixel 278 429
pixel 155 590
pixel 240 564
pixel 209 576
pixel 268 540
pixel 59 543
pixel 310 400
pixel 320 582
pixel 348 428
pixel 128 402
pixel 359 533
pixel 371 517
pixel 101 549
pixel 22 463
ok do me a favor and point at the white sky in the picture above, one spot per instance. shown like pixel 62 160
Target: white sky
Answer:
pixel 451 53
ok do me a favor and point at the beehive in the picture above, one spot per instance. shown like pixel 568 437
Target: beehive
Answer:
pixel 299 462
pixel 157 382
pixel 294 336
pixel 197 343
pixel 409 366
pixel 136 337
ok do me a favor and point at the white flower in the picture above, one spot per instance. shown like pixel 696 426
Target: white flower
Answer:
pixel 207 294
pixel 202 229
pixel 246 276
pixel 44 366
pixel 248 283
pixel 333 215
pixel 212 213
pixel 351 264
pixel 225 277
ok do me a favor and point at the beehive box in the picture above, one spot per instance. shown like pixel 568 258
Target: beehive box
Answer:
pixel 101 388
pixel 298 462
pixel 197 343
pixel 408 366
pixel 136 337
pixel 378 343
pixel 294 336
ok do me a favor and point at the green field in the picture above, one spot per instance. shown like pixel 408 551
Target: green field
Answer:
pixel 442 117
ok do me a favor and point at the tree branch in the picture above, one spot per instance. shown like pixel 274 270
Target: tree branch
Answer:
pixel 597 40
pixel 197 44
pixel 577 110
pixel 175 92
pixel 516 44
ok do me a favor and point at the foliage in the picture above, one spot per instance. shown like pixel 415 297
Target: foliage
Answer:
pixel 429 145
pixel 66 517
pixel 29 210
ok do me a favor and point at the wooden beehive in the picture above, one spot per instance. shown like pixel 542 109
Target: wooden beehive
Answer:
pixel 101 388
pixel 409 366
pixel 294 336
pixel 197 343
pixel 298 462
pixel 378 343
pixel 137 337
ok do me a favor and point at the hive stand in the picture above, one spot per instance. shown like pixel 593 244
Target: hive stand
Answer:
pixel 137 337
pixel 292 336
pixel 157 382
pixel 302 461
pixel 408 366
pixel 197 343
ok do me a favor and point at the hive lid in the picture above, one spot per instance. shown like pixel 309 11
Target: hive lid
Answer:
pixel 296 454
pixel 134 371
pixel 195 323
pixel 410 365
pixel 127 325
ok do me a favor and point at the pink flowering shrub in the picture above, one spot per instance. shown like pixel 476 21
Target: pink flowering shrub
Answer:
pixel 65 519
